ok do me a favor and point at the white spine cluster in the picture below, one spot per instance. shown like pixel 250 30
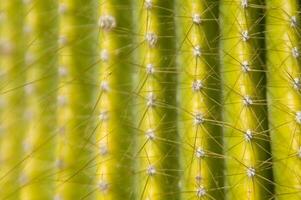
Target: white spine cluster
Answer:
pixel 198 119
pixel 103 186
pixel 104 86
pixel 148 4
pixel 104 115
pixel 151 39
pixel 200 153
pixel 247 100
pixel 197 51
pixel 298 117
pixel 245 66
pixel 294 22
pixel 244 4
pixel 150 69
pixel 196 19
pixel 297 83
pixel 251 172
pixel 248 135
pixel 107 22
pixel 295 52
pixel 150 134
pixel 197 85
pixel 151 99
pixel 104 55
pixel 200 192
pixel 245 35
pixel 151 170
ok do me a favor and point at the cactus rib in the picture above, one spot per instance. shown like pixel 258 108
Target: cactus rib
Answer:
pixel 245 115
pixel 115 135
pixel 155 92
pixel 201 139
pixel 283 64
pixel 78 49
pixel 13 124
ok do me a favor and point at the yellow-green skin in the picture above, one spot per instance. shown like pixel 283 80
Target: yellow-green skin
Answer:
pixel 282 35
pixel 197 25
pixel 76 160
pixel 115 133
pixel 40 141
pixel 13 98
pixel 156 120
pixel 244 103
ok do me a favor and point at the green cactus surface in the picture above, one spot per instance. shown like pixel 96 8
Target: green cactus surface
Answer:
pixel 13 104
pixel 156 123
pixel 115 134
pixel 41 85
pixel 78 58
pixel 244 112
pixel 199 105
pixel 150 100
pixel 283 64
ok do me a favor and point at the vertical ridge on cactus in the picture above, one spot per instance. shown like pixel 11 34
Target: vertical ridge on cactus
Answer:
pixel 244 113
pixel 149 96
pixel 283 66
pixel 79 35
pixel 199 113
pixel 63 109
pixel 13 123
pixel 157 152
pixel 41 71
pixel 115 135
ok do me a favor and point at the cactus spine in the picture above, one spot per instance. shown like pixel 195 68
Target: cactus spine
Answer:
pixel 115 136
pixel 13 96
pixel 283 62
pixel 157 154
pixel 42 85
pixel 199 101
pixel 78 56
pixel 245 136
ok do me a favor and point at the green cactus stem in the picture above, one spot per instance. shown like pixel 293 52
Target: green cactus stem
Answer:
pixel 245 115
pixel 200 107
pixel 42 85
pixel 283 64
pixel 12 48
pixel 157 140
pixel 77 93
pixel 115 135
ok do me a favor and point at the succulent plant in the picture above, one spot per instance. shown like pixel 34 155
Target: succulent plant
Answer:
pixel 150 99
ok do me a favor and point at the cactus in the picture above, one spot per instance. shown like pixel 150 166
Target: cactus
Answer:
pixel 13 104
pixel 245 116
pixel 76 175
pixel 157 152
pixel 199 113
pixel 283 64
pixel 41 89
pixel 115 135
pixel 150 99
